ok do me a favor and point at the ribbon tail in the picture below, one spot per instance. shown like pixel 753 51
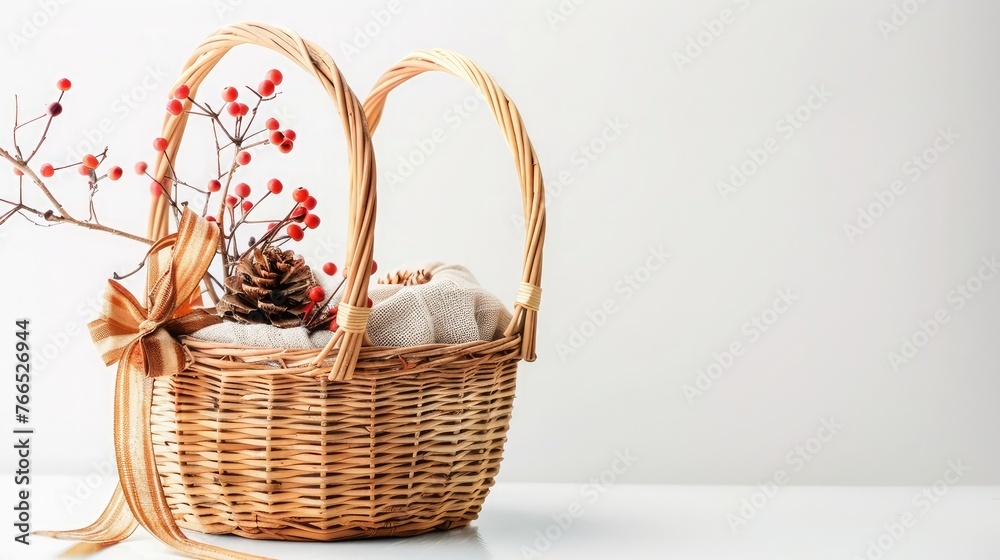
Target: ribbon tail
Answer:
pixel 113 526
pixel 140 480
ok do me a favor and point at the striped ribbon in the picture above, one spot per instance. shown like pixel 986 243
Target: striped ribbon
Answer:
pixel 142 340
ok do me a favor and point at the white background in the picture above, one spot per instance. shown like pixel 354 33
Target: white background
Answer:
pixel 655 185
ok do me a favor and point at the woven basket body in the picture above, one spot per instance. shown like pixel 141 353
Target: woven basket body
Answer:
pixel 350 441
pixel 393 451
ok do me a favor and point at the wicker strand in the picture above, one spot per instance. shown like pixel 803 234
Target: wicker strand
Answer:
pixel 352 318
pixel 524 320
pixel 529 296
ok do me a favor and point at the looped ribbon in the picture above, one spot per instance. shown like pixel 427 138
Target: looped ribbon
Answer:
pixel 142 340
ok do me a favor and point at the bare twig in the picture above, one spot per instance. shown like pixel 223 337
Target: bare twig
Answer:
pixel 243 218
pixel 60 215
pixel 17 112
pixel 215 116
pixel 26 123
pixel 218 151
pixel 165 192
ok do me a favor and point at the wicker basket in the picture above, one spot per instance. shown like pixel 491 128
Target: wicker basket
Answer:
pixel 405 440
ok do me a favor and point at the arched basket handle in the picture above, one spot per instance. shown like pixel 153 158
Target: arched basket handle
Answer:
pixel 362 207
pixel 524 321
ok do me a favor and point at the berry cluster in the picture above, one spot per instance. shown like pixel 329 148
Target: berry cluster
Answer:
pixel 88 166
pixel 237 202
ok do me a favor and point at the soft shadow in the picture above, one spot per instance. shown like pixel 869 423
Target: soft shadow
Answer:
pixel 460 543
pixel 515 522
pixel 83 549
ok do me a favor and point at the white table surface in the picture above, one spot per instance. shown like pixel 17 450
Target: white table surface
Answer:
pixel 627 521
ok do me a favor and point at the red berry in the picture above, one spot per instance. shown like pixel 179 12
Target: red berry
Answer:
pixel 160 144
pixel 47 170
pixel 374 266
pixel 140 168
pixel 243 158
pixel 242 190
pixel 230 94
pixel 272 124
pixel 266 88
pixel 317 294
pixel 244 109
pixel 155 189
pixel 300 194
pixel 231 201
pixel 115 173
pixel 63 84
pixel 285 146
pixel 275 76
pixel 295 232
pixel 182 91
pixel 247 206
pixel 272 225
pixel 333 324
pixel 276 137
pixel 369 303
pixel 274 186
pixel 55 109
pixel 329 269
pixel 18 172
pixel 214 185
pixel 175 107
pixel 290 134
pixel 299 214
pixel 90 161
pixel 311 221
pixel 83 170
pixel 209 218
pixel 308 308
pixel 233 109
pixel 310 203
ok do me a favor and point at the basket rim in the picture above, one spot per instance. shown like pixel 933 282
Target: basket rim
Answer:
pixel 227 359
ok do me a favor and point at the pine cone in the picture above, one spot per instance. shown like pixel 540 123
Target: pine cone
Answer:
pixel 407 277
pixel 270 286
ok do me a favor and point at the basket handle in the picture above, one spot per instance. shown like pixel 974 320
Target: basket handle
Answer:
pixel 361 221
pixel 524 321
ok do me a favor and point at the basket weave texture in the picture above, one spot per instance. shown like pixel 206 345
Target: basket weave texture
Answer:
pixel 374 441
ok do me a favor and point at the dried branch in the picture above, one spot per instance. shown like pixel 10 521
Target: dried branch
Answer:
pixel 61 215
pixel 46 131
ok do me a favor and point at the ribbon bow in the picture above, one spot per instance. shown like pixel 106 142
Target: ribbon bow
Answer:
pixel 145 338
pixel 142 341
